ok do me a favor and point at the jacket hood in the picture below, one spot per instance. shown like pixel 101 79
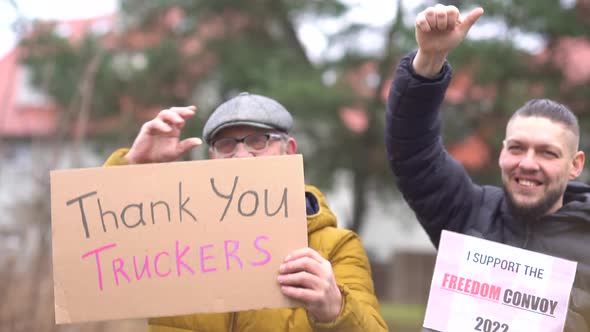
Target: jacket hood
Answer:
pixel 576 188
pixel 576 200
pixel 322 216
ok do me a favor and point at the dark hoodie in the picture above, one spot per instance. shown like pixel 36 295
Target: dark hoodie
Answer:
pixel 443 196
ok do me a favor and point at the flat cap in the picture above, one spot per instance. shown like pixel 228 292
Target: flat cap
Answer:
pixel 251 110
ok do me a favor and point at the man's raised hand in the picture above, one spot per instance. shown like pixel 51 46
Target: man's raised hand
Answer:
pixel 439 29
pixel 159 139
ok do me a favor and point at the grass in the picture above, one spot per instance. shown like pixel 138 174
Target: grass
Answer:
pixel 410 315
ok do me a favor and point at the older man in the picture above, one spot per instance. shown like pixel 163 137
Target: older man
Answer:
pixel 331 277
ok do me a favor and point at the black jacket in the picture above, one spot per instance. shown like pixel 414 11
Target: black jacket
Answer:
pixel 443 196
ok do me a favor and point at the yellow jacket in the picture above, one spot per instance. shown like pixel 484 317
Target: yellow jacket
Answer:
pixel 344 250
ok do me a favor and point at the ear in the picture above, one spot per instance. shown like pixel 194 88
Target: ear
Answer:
pixel 502 152
pixel 577 165
pixel 291 145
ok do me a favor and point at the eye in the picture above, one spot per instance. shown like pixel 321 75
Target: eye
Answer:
pixel 225 145
pixel 515 148
pixel 550 154
pixel 257 141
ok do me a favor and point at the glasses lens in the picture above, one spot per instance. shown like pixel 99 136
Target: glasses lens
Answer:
pixel 225 145
pixel 257 142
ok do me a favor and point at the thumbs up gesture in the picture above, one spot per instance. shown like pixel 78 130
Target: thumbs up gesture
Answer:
pixel 440 29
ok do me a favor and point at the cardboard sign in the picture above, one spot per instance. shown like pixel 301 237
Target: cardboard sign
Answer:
pixel 479 285
pixel 175 238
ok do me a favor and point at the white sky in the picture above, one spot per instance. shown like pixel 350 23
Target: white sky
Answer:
pixel 47 9
pixel 375 12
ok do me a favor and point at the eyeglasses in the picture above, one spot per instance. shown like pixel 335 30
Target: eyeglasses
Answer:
pixel 254 143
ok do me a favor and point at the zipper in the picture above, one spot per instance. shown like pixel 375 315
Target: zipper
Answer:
pixel 232 321
pixel 528 232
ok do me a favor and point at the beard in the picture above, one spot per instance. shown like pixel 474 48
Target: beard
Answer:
pixel 537 209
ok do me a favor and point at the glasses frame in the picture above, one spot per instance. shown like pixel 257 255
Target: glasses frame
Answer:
pixel 269 136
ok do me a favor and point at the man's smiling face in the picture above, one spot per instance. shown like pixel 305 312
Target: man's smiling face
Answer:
pixel 537 160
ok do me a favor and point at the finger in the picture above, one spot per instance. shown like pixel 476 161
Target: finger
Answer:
pixel 422 23
pixel 441 17
pixel 157 126
pixel 185 111
pixel 172 117
pixel 302 294
pixel 188 144
pixel 305 252
pixel 470 19
pixel 307 264
pixel 430 15
pixel 300 279
pixel 452 17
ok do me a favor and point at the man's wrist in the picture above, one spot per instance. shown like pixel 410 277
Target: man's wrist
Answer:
pixel 428 65
pixel 336 310
pixel 317 323
pixel 129 157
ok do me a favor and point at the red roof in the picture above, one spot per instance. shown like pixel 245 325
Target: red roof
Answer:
pixel 18 116
pixel 25 111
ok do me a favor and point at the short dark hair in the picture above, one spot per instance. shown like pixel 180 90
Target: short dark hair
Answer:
pixel 554 111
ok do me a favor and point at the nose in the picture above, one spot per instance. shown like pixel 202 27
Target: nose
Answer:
pixel 528 162
pixel 241 151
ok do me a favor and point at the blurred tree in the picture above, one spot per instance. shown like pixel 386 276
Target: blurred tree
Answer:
pixel 179 52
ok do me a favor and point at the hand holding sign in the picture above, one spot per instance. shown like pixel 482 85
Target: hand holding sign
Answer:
pixel 308 277
pixel 159 139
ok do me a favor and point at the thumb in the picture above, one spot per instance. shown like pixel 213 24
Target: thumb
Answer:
pixel 188 144
pixel 470 19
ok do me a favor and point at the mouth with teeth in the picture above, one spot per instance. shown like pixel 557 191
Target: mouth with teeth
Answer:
pixel 528 183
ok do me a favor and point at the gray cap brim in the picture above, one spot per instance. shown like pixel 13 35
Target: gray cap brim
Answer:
pixel 248 110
